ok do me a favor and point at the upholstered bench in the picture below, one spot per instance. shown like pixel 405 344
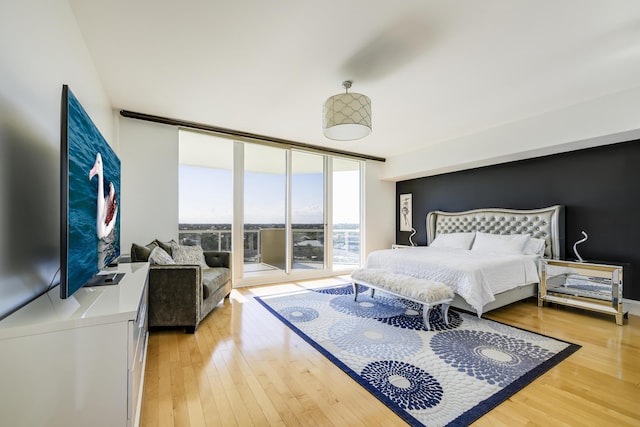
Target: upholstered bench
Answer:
pixel 425 292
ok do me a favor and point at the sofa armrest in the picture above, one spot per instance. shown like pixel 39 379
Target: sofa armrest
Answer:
pixel 217 258
pixel 175 294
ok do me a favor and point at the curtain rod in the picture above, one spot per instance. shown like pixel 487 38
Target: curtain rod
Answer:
pixel 242 135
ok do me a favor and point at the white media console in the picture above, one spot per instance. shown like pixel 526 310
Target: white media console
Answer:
pixel 78 361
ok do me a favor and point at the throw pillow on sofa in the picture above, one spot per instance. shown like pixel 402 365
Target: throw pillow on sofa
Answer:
pixel 167 246
pixel 141 253
pixel 160 256
pixel 188 255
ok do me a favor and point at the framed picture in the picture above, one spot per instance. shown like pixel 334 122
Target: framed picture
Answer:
pixel 405 212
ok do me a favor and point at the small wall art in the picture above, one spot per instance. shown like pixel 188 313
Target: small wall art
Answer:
pixel 405 212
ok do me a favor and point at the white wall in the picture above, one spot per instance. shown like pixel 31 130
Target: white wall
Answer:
pixel 606 120
pixel 379 209
pixel 41 49
pixel 149 199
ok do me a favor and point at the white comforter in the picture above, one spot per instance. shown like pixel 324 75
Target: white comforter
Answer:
pixel 473 275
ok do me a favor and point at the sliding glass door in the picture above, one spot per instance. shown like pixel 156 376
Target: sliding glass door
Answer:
pixel 307 211
pixel 265 209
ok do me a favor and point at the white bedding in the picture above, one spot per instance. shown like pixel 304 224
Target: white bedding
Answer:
pixel 473 275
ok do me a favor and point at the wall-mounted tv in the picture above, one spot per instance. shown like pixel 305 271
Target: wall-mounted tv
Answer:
pixel 90 202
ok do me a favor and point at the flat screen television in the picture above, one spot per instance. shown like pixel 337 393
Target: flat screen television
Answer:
pixel 90 202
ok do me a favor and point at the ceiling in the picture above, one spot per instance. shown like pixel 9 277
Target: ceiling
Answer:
pixel 435 70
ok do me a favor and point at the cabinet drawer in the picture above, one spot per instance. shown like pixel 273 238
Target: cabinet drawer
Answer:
pixel 137 331
pixel 138 337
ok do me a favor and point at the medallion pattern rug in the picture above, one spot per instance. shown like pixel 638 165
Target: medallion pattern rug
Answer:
pixel 451 375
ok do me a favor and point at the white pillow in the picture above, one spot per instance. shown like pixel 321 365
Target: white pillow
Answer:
pixel 160 256
pixel 188 255
pixel 534 246
pixel 499 243
pixel 453 240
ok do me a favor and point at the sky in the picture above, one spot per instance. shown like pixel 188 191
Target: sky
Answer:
pixel 206 197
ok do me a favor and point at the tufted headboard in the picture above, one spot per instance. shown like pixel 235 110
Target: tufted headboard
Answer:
pixel 545 223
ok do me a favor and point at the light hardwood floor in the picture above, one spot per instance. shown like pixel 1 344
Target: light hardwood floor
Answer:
pixel 243 367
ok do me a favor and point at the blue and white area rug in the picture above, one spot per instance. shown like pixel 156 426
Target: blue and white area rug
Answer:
pixel 451 375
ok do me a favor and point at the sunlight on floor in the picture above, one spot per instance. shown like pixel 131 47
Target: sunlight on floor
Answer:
pixel 297 286
pixel 276 289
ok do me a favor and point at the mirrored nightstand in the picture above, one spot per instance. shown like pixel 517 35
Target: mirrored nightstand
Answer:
pixel 587 285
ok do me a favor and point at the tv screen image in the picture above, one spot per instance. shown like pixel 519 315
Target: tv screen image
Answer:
pixel 90 173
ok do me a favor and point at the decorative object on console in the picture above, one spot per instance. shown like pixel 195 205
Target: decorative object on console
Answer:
pixel 406 207
pixel 413 232
pixel 347 116
pixel 575 246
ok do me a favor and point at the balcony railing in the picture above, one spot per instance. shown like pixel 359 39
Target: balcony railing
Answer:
pixel 308 243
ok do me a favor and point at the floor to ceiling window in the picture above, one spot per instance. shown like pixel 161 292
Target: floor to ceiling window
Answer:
pixel 346 208
pixel 298 212
pixel 205 204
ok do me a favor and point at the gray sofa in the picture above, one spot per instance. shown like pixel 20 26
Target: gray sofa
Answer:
pixel 181 295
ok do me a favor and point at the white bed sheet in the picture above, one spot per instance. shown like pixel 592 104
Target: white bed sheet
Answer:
pixel 476 277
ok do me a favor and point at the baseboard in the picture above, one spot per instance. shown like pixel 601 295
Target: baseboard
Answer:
pixel 631 306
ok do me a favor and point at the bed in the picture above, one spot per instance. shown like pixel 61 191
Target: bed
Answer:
pixel 488 256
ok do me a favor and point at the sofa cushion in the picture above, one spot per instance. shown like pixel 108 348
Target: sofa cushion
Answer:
pixel 213 279
pixel 217 258
pixel 141 253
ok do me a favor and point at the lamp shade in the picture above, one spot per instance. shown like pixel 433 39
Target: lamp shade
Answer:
pixel 347 116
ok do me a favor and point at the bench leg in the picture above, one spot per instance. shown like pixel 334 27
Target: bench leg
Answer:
pixel 426 310
pixel 445 312
pixel 355 291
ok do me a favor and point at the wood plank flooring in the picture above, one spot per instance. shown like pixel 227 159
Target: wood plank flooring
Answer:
pixel 243 367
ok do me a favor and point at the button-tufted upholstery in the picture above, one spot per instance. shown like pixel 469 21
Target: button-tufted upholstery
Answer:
pixel 546 223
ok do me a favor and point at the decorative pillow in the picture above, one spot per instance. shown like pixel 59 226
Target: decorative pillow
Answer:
pixel 500 243
pixel 534 246
pixel 160 256
pixel 188 255
pixel 167 246
pixel 141 253
pixel 453 240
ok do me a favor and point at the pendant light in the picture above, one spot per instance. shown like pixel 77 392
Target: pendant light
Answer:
pixel 347 116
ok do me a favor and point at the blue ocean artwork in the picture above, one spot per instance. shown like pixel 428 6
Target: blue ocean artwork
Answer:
pixel 93 199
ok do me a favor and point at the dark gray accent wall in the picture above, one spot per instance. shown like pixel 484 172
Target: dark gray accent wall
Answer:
pixel 599 187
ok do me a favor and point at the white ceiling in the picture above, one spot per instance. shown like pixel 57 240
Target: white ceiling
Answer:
pixel 434 69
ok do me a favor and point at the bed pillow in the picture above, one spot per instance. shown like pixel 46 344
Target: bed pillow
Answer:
pixel 453 240
pixel 534 246
pixel 160 256
pixel 500 243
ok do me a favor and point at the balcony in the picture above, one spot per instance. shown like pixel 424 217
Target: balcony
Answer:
pixel 264 246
